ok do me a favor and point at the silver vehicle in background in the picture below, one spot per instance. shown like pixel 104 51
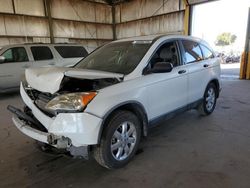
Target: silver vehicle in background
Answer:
pixel 14 59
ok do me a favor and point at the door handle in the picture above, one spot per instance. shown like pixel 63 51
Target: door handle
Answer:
pixel 205 65
pixel 181 71
pixel 52 63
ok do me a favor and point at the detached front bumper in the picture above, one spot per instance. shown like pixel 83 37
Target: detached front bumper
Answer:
pixel 66 130
pixel 32 128
pixel 29 131
pixel 55 141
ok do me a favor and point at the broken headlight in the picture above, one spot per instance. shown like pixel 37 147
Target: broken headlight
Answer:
pixel 71 102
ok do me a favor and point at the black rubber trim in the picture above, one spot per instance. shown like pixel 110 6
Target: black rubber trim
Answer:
pixel 23 116
pixel 169 115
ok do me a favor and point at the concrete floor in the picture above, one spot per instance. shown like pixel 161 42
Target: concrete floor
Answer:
pixel 187 151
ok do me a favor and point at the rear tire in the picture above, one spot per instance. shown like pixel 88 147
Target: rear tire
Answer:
pixel 119 141
pixel 208 103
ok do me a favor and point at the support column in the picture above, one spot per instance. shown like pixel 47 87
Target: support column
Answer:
pixel 187 18
pixel 47 4
pixel 113 22
pixel 13 6
pixel 245 58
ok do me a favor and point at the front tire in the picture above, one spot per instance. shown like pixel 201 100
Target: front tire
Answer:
pixel 209 100
pixel 119 141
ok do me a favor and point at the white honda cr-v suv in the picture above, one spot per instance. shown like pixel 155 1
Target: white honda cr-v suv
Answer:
pixel 107 102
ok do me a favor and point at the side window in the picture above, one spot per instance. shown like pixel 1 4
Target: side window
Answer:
pixel 192 51
pixel 71 51
pixel 166 53
pixel 207 53
pixel 41 53
pixel 17 54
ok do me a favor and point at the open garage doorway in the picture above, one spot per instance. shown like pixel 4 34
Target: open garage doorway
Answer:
pixel 223 25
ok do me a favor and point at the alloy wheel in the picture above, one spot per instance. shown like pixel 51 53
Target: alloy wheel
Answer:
pixel 123 141
pixel 210 99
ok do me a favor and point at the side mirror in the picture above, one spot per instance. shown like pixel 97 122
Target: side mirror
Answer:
pixel 161 67
pixel 2 59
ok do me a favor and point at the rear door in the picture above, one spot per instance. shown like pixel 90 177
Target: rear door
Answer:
pixel 12 69
pixel 198 70
pixel 42 56
pixel 70 55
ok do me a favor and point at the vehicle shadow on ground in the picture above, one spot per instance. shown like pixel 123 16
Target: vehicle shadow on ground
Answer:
pixel 66 171
pixel 8 95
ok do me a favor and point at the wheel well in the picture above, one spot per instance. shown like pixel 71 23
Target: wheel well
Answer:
pixel 135 108
pixel 217 85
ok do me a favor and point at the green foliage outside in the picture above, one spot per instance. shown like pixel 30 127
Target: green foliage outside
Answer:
pixel 225 39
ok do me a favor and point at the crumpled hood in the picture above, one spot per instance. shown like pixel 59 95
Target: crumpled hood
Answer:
pixel 49 79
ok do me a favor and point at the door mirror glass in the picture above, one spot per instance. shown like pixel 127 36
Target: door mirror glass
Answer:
pixel 2 59
pixel 162 67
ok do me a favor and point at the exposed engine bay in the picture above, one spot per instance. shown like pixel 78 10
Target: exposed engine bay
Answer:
pixel 68 85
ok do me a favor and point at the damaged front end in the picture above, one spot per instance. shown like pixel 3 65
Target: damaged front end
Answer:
pixel 61 125
pixel 68 86
pixel 30 126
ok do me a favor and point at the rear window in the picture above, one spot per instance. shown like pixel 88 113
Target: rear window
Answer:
pixel 207 53
pixel 71 51
pixel 41 53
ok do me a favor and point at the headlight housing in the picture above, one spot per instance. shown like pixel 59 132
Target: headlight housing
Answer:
pixel 71 102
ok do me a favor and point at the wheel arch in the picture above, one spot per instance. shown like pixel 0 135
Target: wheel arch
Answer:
pixel 133 106
pixel 217 85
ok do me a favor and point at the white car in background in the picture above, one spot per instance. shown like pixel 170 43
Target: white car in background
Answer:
pixel 14 59
pixel 107 102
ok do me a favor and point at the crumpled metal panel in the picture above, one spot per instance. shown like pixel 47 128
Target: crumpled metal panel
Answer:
pixel 169 23
pixel 138 9
pixel 81 30
pixel 23 26
pixel 81 11
pixel 30 7
pixel 6 6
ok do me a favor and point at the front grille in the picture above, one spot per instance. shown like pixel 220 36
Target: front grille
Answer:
pixel 40 99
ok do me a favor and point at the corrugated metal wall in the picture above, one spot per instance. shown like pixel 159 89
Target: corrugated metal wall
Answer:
pixel 82 21
pixel 147 17
pixel 78 21
pixel 88 22
pixel 21 20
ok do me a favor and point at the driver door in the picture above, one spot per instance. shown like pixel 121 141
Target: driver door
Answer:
pixel 12 69
pixel 168 91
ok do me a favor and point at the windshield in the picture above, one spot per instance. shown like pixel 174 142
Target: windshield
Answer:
pixel 118 57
